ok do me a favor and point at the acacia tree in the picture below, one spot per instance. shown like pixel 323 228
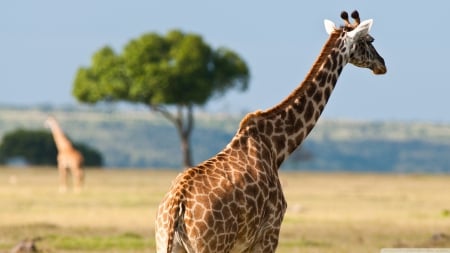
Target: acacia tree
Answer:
pixel 171 74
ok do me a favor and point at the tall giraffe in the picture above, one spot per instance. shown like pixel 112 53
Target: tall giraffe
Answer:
pixel 68 157
pixel 234 202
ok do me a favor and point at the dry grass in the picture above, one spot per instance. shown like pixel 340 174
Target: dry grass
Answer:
pixel 328 212
pixel 364 212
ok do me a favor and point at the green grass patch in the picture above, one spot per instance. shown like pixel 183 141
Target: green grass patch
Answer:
pixel 125 241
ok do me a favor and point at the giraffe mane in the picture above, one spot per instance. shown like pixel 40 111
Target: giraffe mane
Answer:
pixel 326 50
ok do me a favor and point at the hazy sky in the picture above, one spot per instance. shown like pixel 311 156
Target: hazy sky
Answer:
pixel 44 42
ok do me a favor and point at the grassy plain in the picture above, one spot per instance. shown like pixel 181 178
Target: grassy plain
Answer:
pixel 328 212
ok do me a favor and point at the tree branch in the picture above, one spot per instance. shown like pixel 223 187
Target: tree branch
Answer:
pixel 166 113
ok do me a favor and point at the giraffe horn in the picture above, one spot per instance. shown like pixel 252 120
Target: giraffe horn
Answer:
pixel 344 16
pixel 355 16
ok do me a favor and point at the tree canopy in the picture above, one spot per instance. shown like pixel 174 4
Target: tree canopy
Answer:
pixel 176 69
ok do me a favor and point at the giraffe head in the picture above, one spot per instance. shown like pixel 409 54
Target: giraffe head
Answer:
pixel 358 43
pixel 49 122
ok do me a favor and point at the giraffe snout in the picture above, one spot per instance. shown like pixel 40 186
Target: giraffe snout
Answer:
pixel 379 67
pixel 379 70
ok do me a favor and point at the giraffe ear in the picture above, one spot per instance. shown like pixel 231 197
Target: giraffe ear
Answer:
pixel 361 30
pixel 329 26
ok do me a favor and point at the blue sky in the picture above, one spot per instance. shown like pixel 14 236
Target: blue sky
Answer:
pixel 44 42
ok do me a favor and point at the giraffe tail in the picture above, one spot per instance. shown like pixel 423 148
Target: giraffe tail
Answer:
pixel 176 213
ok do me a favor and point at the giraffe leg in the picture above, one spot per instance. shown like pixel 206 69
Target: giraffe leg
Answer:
pixel 268 242
pixel 178 247
pixel 77 173
pixel 62 178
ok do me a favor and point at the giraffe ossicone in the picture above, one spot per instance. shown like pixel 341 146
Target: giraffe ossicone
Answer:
pixel 234 202
pixel 362 27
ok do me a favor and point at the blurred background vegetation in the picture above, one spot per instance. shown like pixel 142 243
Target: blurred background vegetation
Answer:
pixel 137 138
pixel 36 147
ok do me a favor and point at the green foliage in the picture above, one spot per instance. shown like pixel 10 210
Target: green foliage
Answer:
pixel 178 69
pixel 175 69
pixel 92 157
pixel 37 147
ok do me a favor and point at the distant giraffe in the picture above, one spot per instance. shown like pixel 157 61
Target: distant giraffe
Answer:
pixel 234 202
pixel 68 157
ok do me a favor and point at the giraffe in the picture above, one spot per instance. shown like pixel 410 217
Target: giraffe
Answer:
pixel 68 157
pixel 233 202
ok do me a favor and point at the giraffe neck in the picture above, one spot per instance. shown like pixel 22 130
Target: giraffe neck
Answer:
pixel 61 141
pixel 284 127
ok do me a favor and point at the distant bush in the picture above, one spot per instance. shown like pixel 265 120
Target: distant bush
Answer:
pixel 36 147
pixel 92 157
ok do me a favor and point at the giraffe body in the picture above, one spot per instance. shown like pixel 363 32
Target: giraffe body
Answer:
pixel 68 158
pixel 247 222
pixel 234 202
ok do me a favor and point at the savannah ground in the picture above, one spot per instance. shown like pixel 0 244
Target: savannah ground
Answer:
pixel 327 212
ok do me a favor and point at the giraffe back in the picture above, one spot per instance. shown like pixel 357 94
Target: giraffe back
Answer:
pixel 222 205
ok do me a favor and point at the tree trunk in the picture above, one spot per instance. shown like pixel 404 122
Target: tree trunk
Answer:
pixel 186 150
pixel 184 127
pixel 184 123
